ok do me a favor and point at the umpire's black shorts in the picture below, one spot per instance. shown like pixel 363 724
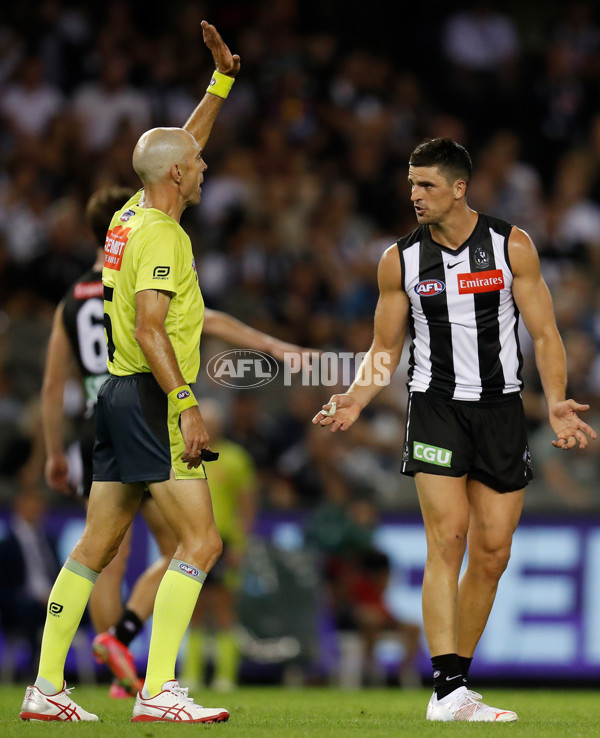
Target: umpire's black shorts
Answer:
pixel 138 438
pixel 484 440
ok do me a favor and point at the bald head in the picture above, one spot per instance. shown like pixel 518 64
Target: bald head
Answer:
pixel 157 151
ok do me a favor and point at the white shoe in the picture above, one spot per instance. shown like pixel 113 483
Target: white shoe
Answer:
pixel 173 705
pixel 59 706
pixel 465 705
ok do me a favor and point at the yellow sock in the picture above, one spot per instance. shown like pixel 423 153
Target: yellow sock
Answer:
pixel 194 657
pixel 173 609
pixel 66 604
pixel 227 658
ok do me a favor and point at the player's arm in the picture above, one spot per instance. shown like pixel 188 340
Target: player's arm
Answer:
pixel 59 366
pixel 151 308
pixel 229 329
pixel 201 121
pixel 380 362
pixel 533 299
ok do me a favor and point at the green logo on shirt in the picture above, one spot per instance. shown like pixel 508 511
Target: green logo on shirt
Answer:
pixel 432 454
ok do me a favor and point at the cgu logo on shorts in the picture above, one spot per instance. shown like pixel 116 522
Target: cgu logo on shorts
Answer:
pixel 474 282
pixel 429 287
pixel 189 570
pixel 431 454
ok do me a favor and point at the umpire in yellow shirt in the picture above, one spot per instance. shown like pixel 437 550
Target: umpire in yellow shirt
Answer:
pixel 148 427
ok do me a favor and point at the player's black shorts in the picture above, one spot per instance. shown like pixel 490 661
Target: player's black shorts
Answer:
pixel 137 437
pixel 485 441
pixel 87 440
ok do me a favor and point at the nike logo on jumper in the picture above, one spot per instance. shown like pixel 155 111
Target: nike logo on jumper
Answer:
pixel 451 266
pixel 449 679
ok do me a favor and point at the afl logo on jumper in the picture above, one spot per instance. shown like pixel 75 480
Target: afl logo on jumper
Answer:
pixel 429 287
pixel 126 215
pixel 473 282
pixel 187 569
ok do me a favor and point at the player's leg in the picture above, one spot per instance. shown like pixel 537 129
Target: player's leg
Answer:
pixel 493 520
pixel 194 657
pixel 500 470
pixel 500 462
pixel 445 510
pixel 141 599
pixel 111 509
pixel 111 647
pixel 227 652
pixel 105 604
pixel 186 505
pixel 451 700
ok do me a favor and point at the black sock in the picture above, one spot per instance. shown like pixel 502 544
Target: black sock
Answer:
pixel 465 665
pixel 447 674
pixel 128 627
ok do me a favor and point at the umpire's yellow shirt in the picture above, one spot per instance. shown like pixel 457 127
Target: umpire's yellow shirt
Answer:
pixel 145 249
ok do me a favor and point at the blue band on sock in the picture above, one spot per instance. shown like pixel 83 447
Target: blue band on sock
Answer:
pixel 188 570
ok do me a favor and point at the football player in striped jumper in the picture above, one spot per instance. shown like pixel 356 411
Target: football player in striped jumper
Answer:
pixel 459 284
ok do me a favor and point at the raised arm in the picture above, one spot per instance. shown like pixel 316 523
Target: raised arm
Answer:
pixel 380 362
pixel 151 308
pixel 59 365
pixel 201 121
pixel 533 299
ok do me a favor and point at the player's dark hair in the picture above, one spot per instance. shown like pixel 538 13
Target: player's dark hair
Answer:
pixel 452 159
pixel 101 207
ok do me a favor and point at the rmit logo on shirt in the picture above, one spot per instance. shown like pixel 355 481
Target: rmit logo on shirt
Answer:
pixel 472 282
pixel 116 240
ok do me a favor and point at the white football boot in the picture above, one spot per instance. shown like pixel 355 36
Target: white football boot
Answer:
pixel 463 704
pixel 59 706
pixel 173 705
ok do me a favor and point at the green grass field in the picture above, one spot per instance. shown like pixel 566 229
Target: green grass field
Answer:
pixel 264 712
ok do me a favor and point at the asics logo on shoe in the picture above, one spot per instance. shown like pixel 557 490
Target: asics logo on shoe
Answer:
pixel 173 712
pixel 450 679
pixel 68 711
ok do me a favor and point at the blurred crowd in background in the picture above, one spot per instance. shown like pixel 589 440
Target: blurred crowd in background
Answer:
pixel 305 188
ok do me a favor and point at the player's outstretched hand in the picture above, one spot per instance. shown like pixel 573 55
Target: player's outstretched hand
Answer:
pixel 569 428
pixel 338 414
pixel 225 62
pixel 194 435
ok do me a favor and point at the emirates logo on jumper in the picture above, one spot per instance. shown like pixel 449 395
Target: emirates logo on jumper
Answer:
pixel 472 282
